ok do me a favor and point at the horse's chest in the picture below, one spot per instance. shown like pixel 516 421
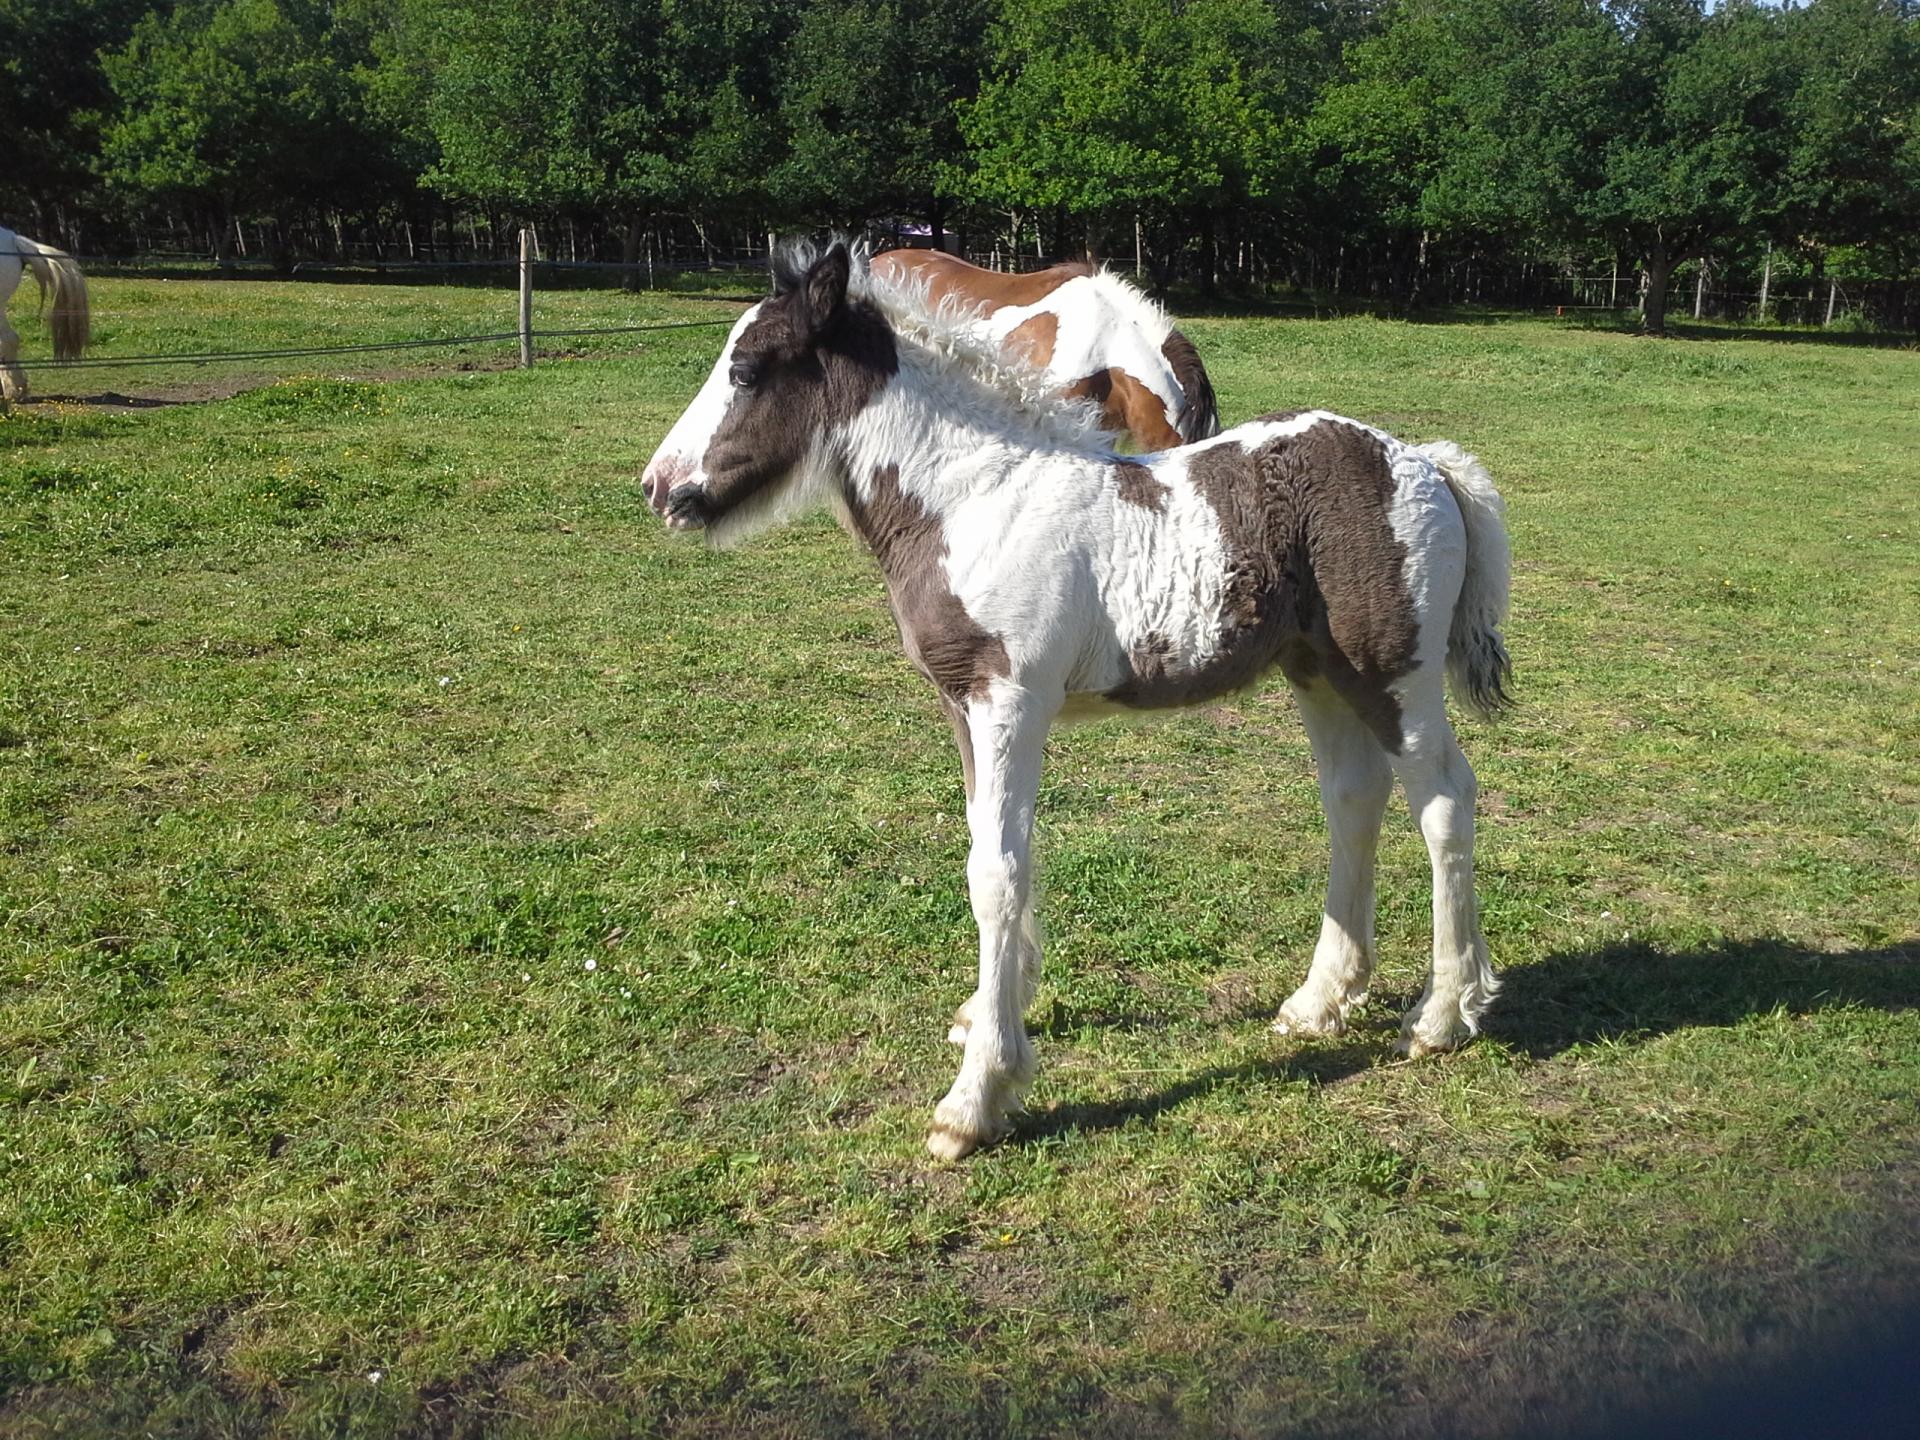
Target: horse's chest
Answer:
pixel 942 640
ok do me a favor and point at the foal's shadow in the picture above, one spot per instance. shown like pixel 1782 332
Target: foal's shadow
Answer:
pixel 1620 992
pixel 1634 992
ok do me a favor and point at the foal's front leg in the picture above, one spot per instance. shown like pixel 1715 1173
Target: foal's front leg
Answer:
pixel 1008 732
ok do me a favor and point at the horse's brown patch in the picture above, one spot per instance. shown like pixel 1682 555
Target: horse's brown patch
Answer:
pixel 1032 339
pixel 945 643
pixel 1316 580
pixel 949 277
pixel 1140 486
pixel 1129 406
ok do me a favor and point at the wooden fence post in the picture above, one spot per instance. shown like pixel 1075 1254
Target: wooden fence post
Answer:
pixel 526 299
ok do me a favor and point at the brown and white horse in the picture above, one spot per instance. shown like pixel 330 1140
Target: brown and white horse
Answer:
pixel 1096 335
pixel 53 270
pixel 1035 572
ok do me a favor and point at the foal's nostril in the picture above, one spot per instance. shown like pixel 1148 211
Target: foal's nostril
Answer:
pixel 660 478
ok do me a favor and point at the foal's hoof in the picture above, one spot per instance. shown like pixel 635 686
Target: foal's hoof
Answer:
pixel 1421 1038
pixel 945 1142
pixel 1310 1014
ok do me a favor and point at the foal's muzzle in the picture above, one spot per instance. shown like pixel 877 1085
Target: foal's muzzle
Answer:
pixel 683 504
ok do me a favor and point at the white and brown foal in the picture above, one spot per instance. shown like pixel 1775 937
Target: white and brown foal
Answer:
pixel 1097 336
pixel 1034 572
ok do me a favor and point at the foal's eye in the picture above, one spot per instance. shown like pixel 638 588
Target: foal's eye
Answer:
pixel 742 375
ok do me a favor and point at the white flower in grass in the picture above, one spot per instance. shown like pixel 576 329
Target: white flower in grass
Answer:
pixel 592 965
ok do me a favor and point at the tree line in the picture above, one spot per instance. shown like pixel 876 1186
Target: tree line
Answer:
pixel 1414 149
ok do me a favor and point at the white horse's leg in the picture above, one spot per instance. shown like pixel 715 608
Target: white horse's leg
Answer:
pixel 1009 733
pixel 1440 792
pixel 13 380
pixel 1355 783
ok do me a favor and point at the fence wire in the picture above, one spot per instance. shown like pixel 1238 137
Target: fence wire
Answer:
pixel 105 362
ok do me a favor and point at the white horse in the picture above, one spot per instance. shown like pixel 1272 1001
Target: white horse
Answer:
pixel 71 321
pixel 1035 572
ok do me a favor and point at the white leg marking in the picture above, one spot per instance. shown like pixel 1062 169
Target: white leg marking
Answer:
pixel 1355 783
pixel 1440 792
pixel 1009 733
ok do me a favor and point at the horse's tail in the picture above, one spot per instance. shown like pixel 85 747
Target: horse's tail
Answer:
pixel 71 320
pixel 1477 662
pixel 1199 416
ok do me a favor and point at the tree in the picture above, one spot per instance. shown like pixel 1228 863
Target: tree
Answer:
pixel 238 108
pixel 1127 107
pixel 868 93
pixel 52 97
pixel 1853 157
pixel 1702 147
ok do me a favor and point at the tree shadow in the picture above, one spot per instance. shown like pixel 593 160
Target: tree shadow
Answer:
pixel 1630 991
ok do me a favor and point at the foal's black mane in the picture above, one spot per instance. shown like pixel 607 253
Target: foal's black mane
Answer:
pixel 795 256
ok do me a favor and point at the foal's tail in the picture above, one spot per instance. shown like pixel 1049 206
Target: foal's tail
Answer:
pixel 55 270
pixel 1477 661
pixel 1199 417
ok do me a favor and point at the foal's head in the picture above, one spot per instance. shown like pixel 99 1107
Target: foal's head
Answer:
pixel 762 435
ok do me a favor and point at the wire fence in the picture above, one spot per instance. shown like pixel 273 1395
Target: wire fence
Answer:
pixel 112 362
pixel 525 333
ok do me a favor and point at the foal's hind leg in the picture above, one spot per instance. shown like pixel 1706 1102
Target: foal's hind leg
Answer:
pixel 1355 783
pixel 1440 792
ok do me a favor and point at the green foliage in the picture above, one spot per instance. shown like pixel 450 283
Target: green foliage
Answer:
pixel 234 106
pixel 1113 107
pixel 869 90
pixel 52 93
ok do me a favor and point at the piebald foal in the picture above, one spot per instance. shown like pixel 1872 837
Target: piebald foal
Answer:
pixel 1033 571
pixel 1097 336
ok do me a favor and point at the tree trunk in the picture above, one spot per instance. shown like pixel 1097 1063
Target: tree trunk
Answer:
pixel 1766 281
pixel 1209 255
pixel 630 251
pixel 222 245
pixel 1653 305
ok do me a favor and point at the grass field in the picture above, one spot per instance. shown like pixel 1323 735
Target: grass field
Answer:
pixel 469 964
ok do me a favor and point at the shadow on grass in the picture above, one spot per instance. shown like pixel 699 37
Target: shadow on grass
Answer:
pixel 1630 992
pixel 1576 997
pixel 1323 1065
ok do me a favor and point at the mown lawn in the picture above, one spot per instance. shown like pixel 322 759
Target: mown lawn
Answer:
pixel 469 964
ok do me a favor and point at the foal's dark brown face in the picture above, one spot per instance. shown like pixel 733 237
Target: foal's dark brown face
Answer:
pixel 796 369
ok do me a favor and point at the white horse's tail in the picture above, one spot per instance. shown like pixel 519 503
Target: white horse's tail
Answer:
pixel 55 270
pixel 1477 662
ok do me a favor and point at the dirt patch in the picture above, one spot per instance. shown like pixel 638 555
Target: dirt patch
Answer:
pixel 164 393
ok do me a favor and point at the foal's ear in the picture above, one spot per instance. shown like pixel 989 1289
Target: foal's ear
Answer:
pixel 825 291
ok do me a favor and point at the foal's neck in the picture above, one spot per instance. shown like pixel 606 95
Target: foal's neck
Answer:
pixel 948 443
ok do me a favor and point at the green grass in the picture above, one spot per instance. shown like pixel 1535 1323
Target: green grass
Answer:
pixel 449 930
